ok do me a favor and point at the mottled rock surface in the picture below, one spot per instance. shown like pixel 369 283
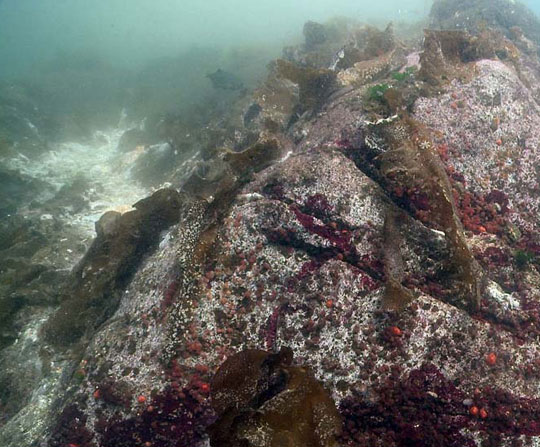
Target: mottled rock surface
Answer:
pixel 303 254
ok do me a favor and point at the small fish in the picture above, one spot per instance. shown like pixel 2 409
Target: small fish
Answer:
pixel 224 80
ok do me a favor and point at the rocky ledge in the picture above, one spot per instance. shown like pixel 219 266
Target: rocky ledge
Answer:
pixel 369 267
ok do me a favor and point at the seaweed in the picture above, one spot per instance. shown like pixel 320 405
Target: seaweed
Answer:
pixel 522 259
pixel 405 163
pixel 315 85
pixel 254 159
pixel 379 42
pixel 414 164
pixel 210 179
pixel 376 92
pixel 405 75
pixel 396 296
pixel 97 282
pixel 442 54
pixel 447 53
pixel 256 394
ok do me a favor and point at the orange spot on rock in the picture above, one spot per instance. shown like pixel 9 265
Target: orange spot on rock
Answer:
pixel 491 359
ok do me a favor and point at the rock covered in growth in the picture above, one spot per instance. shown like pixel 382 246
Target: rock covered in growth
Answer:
pixel 107 267
pixel 370 70
pixel 306 252
pixel 374 56
pixel 476 15
pixel 314 34
pixel 496 150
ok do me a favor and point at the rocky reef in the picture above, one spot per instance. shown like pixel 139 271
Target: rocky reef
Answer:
pixel 352 260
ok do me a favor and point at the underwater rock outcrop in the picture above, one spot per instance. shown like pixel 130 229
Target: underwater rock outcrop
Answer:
pixel 314 34
pixel 17 189
pixel 22 122
pixel 389 239
pixel 478 15
pixel 98 281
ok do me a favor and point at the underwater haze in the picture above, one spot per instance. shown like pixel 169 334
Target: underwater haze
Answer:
pixel 129 32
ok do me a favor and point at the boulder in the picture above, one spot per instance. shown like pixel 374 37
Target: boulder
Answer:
pixel 314 34
pixel 98 280
pixel 393 249
pixel 475 15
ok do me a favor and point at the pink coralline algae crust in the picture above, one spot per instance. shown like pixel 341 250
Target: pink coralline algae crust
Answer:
pixel 71 429
pixel 491 140
pixel 426 409
pixel 298 264
pixel 339 238
pixel 172 418
pixel 285 255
